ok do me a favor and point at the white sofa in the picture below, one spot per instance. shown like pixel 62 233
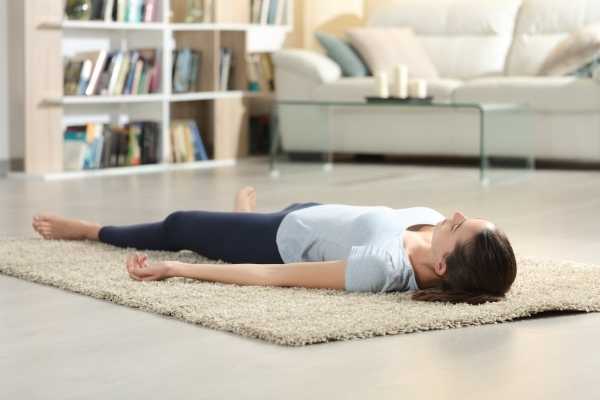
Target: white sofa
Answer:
pixel 485 51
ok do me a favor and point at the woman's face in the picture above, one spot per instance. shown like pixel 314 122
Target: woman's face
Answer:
pixel 449 232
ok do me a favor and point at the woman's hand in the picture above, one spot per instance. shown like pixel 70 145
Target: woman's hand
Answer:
pixel 140 270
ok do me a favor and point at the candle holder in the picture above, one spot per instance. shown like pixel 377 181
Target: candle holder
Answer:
pixel 392 99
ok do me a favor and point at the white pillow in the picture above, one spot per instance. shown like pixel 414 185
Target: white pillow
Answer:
pixel 576 50
pixel 383 48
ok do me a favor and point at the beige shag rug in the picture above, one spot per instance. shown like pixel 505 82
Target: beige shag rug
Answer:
pixel 289 316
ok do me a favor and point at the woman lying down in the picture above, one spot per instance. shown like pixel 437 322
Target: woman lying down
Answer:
pixel 314 245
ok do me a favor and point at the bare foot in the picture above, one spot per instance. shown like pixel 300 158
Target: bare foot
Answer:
pixel 51 226
pixel 245 200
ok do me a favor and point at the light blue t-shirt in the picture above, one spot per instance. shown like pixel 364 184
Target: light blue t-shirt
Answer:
pixel 370 239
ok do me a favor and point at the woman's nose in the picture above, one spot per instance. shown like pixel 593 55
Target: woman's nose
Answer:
pixel 457 217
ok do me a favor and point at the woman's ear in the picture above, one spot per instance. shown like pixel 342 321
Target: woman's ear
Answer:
pixel 440 267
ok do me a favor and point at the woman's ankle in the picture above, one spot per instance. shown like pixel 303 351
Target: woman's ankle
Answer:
pixel 92 231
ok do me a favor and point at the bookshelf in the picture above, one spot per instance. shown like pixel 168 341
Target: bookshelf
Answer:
pixel 221 115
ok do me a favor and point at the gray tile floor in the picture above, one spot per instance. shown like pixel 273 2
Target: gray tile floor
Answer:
pixel 59 345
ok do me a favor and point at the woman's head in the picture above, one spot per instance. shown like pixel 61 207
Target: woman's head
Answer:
pixel 473 259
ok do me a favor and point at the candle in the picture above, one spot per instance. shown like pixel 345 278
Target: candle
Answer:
pixel 382 84
pixel 418 88
pixel 401 81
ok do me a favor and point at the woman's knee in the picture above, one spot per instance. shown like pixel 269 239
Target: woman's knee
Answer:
pixel 174 220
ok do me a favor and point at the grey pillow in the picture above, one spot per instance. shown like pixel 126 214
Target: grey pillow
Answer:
pixel 343 54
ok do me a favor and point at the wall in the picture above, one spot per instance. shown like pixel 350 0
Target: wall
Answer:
pixel 329 16
pixel 4 143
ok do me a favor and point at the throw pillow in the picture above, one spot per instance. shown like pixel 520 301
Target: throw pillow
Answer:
pixel 343 54
pixel 576 50
pixel 384 48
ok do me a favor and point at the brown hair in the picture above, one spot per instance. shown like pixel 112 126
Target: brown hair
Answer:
pixel 479 270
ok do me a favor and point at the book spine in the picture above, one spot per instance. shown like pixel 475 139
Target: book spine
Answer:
pixel 149 10
pixel 100 60
pixel 108 10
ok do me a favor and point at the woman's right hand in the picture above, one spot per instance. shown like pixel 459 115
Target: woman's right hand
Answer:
pixel 140 270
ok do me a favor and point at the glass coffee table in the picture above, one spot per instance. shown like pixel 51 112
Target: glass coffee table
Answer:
pixel 504 133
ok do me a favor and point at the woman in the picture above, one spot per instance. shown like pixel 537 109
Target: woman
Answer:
pixel 313 245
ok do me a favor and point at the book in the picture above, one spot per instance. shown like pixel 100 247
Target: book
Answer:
pixel 189 144
pixel 272 11
pixel 84 78
pixel 149 142
pixel 94 78
pixel 199 149
pixel 182 73
pixel 150 71
pixel 186 65
pixel 114 72
pixel 121 10
pixel 134 152
pixel 195 68
pixel 255 8
pixel 139 67
pixel 71 78
pixel 131 73
pixel 75 148
pixel 108 10
pixel 97 10
pixel 134 11
pixel 122 75
pixel 264 12
pixel 209 10
pixel 149 10
pixel 280 13
pixel 225 67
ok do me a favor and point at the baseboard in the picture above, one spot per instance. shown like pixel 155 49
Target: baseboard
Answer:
pixel 11 165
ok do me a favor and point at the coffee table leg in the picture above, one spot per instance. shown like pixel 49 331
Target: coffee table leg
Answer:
pixel 483 157
pixel 328 166
pixel 275 134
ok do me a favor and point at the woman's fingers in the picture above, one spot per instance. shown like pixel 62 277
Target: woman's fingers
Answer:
pixel 132 267
pixel 138 268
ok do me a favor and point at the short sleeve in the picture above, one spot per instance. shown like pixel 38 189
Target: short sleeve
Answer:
pixel 368 269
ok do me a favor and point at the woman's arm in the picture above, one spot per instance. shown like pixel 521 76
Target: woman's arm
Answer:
pixel 321 274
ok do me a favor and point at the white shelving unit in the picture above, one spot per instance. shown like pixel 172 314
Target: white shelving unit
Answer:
pixel 222 113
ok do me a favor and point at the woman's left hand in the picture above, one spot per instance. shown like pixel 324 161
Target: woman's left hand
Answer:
pixel 140 270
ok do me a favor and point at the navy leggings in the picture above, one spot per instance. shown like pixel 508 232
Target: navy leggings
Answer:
pixel 234 237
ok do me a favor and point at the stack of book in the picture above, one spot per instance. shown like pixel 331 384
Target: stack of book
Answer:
pixel 113 73
pixel 269 11
pixel 260 72
pixel 94 146
pixel 186 66
pixel 113 10
pixel 186 141
pixel 225 67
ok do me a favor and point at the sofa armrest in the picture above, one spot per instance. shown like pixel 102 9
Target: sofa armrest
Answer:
pixel 309 64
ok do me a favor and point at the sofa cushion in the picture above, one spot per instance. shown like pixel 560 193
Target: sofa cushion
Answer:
pixel 541 25
pixel 545 94
pixel 464 38
pixel 343 54
pixel 384 48
pixel 356 89
pixel 577 50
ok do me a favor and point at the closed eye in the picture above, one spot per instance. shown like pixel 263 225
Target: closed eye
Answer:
pixel 455 227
